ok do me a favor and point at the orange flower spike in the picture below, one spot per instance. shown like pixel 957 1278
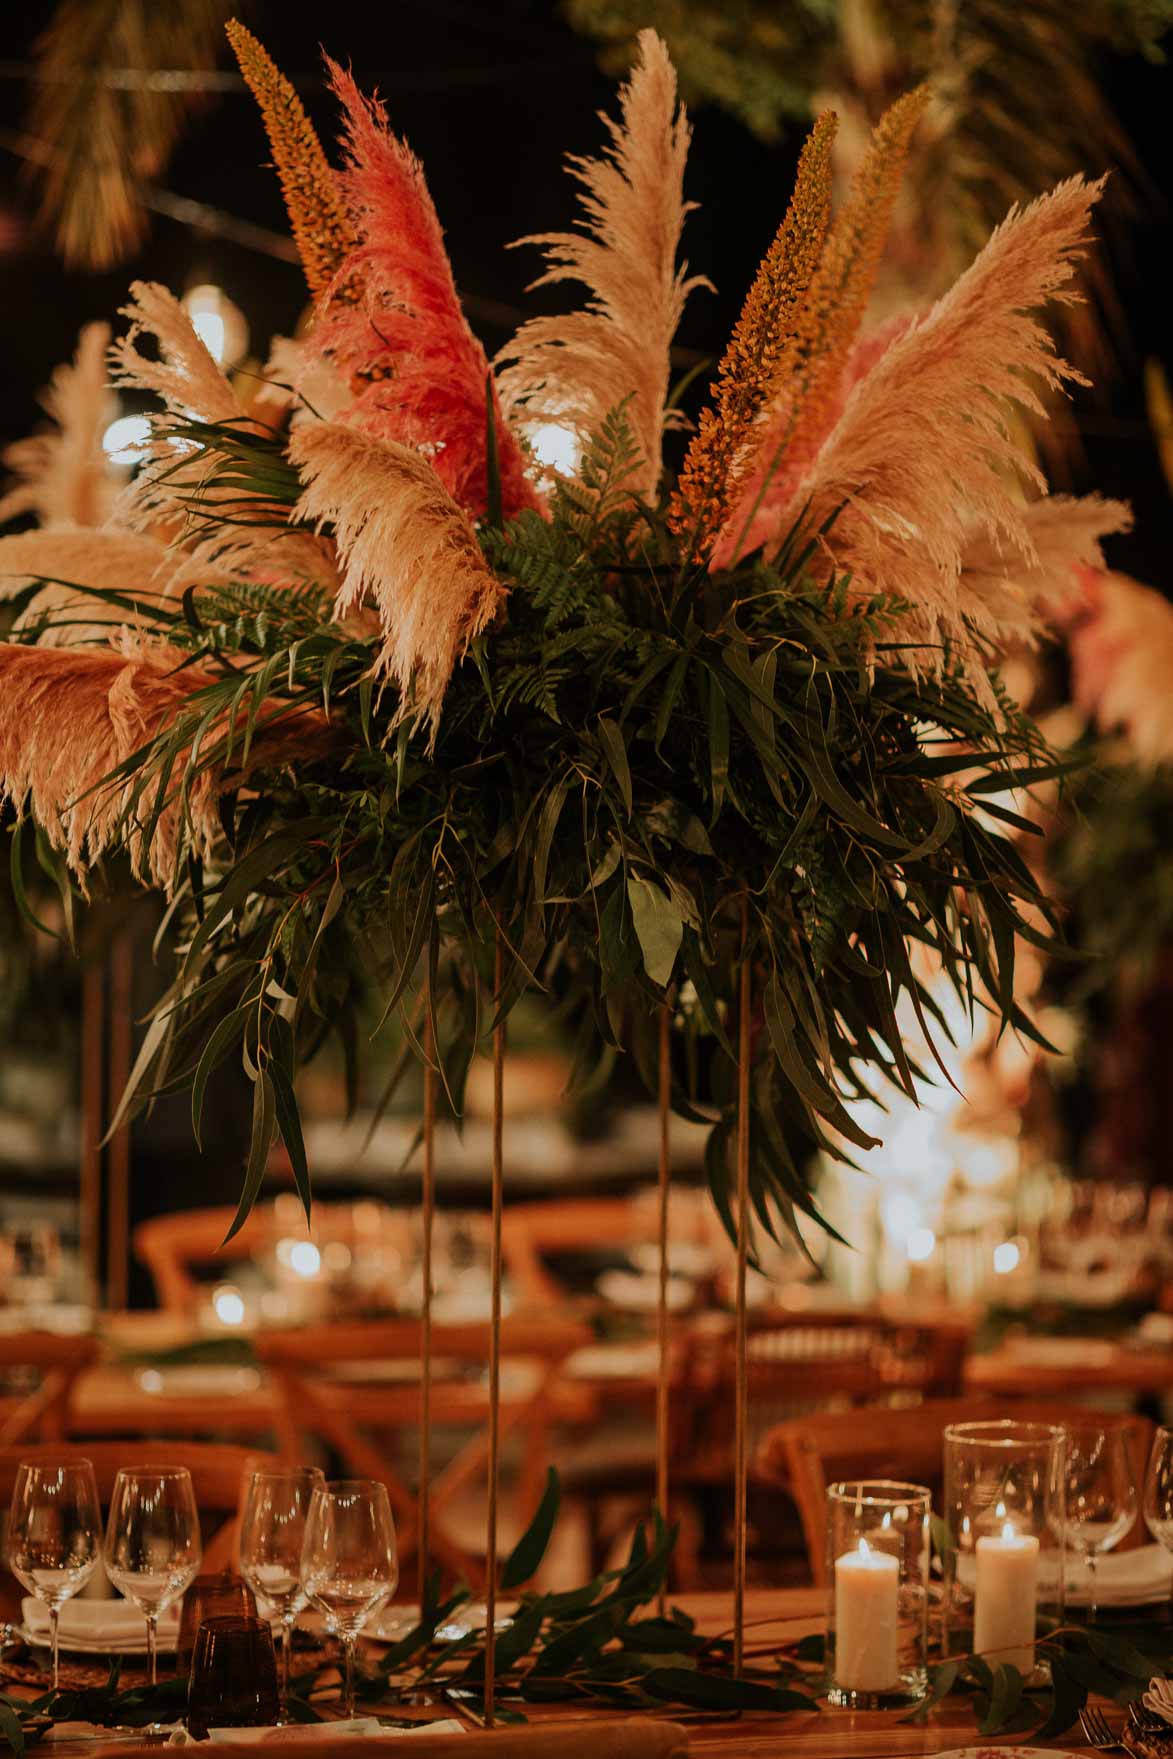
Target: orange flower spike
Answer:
pixel 321 230
pixel 761 347
pixel 840 290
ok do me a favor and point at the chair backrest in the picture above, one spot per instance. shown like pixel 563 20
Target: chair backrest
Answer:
pixel 530 1231
pixel 174 1247
pixel 341 1382
pixel 219 1473
pixel 40 1411
pixel 804 1362
pixel 806 1454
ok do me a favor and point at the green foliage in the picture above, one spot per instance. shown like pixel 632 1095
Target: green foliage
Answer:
pixel 597 1644
pixel 640 753
pixel 1116 1663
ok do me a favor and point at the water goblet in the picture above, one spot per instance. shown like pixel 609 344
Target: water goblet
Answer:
pixel 1101 1495
pixel 152 1550
pixel 350 1564
pixel 54 1529
pixel 272 1533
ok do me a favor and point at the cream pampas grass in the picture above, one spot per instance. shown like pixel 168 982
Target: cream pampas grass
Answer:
pixel 405 544
pixel 70 717
pixel 1122 663
pixel 573 370
pixel 1016 589
pixel 922 459
pixel 63 474
pixel 185 376
pixel 107 559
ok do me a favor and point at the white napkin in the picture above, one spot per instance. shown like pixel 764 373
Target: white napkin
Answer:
pixel 305 1733
pixel 1159 1698
pixel 92 1626
pixel 1123 1578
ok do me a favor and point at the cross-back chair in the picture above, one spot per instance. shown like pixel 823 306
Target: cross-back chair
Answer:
pixel 806 1454
pixel 350 1384
pixel 175 1247
pixel 52 1363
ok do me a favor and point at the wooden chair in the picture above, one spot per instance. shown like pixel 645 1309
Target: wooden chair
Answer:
pixel 800 1363
pixel 174 1247
pixel 342 1382
pixel 40 1413
pixel 530 1232
pixel 806 1454
pixel 219 1474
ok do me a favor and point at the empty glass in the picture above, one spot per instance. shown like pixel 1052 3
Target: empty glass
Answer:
pixel 152 1550
pixel 1158 1490
pixel 272 1533
pixel 1101 1495
pixel 350 1565
pixel 54 1524
pixel 233 1676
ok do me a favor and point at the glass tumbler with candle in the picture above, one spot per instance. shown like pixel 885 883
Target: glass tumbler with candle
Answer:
pixel 878 1571
pixel 1004 1539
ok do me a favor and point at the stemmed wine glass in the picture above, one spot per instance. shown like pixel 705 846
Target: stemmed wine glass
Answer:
pixel 1158 1490
pixel 1101 1495
pixel 152 1550
pixel 350 1565
pixel 272 1532
pixel 54 1525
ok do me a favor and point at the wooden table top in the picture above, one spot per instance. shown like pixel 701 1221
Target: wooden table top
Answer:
pixel 772 1618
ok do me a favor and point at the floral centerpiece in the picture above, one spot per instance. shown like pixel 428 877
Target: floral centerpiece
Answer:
pixel 375 696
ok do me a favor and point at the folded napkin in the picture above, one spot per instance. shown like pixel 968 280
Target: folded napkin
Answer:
pixel 93 1625
pixel 307 1733
pixel 1158 1700
pixel 1123 1578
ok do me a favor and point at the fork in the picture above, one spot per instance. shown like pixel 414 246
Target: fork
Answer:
pixel 1144 1721
pixel 1096 1732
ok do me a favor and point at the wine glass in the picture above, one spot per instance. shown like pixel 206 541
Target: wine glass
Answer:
pixel 1158 1490
pixel 152 1550
pixel 1101 1495
pixel 272 1531
pixel 349 1565
pixel 54 1524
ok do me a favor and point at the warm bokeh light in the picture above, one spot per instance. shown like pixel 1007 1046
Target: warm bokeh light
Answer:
pixel 1006 1257
pixel 556 447
pixel 921 1244
pixel 125 438
pixel 228 1305
pixel 304 1258
pixel 218 322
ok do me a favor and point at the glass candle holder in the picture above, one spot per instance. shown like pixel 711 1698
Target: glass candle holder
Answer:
pixel 878 1569
pixel 220 1595
pixel 1004 1539
pixel 233 1676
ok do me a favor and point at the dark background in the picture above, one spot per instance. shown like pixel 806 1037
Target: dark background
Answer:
pixel 491 96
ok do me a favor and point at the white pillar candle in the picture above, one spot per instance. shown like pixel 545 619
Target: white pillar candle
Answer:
pixel 867 1590
pixel 1006 1599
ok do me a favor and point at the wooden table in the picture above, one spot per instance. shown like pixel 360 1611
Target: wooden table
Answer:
pixel 1113 1369
pixel 772 1619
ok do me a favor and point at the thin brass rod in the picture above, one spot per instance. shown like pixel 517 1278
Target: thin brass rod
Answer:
pixel 741 1414
pixel 495 1330
pixel 118 1155
pixel 428 1218
pixel 664 1100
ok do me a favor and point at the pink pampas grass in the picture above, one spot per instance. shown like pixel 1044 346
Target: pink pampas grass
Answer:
pixel 393 324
